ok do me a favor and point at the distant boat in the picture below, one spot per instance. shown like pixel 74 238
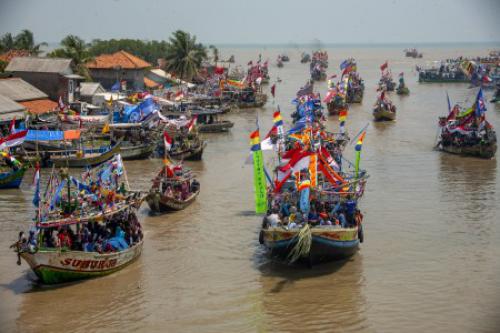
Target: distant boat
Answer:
pixel 12 174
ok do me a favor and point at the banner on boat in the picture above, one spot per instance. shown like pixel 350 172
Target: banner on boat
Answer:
pixel 258 174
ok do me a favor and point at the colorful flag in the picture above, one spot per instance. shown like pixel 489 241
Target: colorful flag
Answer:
pixel 358 147
pixel 384 66
pixel 313 169
pixel 278 121
pixel 105 129
pixel 258 174
pixel 304 196
pixel 167 141
pixel 36 182
pixel 13 139
pixel 480 104
pixel 192 123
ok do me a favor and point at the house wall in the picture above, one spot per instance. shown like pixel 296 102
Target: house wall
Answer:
pixel 108 77
pixel 53 84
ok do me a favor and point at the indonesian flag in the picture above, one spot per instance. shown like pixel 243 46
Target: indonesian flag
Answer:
pixel 179 95
pixel 300 160
pixel 167 141
pixel 191 124
pixel 384 66
pixel 12 126
pixel 13 139
pixel 486 79
pixel 61 104
pixel 329 159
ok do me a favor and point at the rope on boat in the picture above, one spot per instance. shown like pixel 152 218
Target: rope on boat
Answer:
pixel 303 245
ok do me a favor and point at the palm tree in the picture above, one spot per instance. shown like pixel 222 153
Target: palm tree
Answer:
pixel 26 41
pixel 75 48
pixel 215 53
pixel 7 42
pixel 184 55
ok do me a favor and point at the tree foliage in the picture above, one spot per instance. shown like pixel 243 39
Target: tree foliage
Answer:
pixel 24 40
pixel 75 48
pixel 150 51
pixel 184 55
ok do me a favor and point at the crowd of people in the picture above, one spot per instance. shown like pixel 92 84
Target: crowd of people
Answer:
pixel 120 232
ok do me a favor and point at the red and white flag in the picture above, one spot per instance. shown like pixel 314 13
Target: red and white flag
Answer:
pixel 191 123
pixel 12 126
pixel 167 140
pixel 384 66
pixel 61 104
pixel 13 139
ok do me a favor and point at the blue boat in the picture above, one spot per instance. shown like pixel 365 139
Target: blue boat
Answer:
pixel 13 177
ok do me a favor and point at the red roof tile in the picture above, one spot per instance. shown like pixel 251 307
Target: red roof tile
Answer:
pixel 119 59
pixel 39 106
pixel 7 56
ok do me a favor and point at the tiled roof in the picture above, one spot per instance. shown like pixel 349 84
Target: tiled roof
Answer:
pixel 7 56
pixel 10 109
pixel 40 65
pixel 120 59
pixel 39 106
pixel 19 90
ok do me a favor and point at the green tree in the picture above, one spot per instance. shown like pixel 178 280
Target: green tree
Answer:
pixel 26 41
pixel 6 42
pixel 184 55
pixel 75 48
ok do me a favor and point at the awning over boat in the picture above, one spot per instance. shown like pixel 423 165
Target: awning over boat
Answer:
pixel 43 135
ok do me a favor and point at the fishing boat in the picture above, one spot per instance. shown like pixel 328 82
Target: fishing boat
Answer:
pixel 451 73
pixel 76 158
pixel 11 174
pixel 318 71
pixel 402 89
pixel 384 109
pixel 136 151
pixel 305 58
pixel 355 88
pixel 96 236
pixel 208 121
pixel 285 58
pixel 335 105
pixel 387 83
pixel 467 132
pixel 279 62
pixel 174 188
pixel 412 53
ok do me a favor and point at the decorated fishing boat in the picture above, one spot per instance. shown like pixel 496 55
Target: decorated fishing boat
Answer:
pixel 318 71
pixel 402 88
pixel 355 89
pixel 467 132
pixel 11 171
pixel 98 232
pixel 208 121
pixel 336 105
pixel 311 207
pixel 174 188
pixel 448 72
pixel 384 109
pixel 136 151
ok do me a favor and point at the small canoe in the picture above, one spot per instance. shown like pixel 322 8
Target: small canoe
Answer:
pixel 59 266
pixel 159 203
pixel 382 114
pixel 326 242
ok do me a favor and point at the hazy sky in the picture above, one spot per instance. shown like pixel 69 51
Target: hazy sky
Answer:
pixel 259 21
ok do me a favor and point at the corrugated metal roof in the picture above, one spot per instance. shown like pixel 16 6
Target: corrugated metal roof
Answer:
pixel 10 109
pixel 40 65
pixel 90 88
pixel 19 90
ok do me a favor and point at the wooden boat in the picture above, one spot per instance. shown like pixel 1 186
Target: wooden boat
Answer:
pixel 191 153
pixel 285 58
pixel 387 84
pixel 217 127
pixel 159 201
pixel 335 105
pixel 382 112
pixel 355 95
pixel 208 121
pixel 435 76
pixel 305 58
pixel 279 63
pixel 482 150
pixel 327 242
pixel 412 53
pixel 136 151
pixel 11 175
pixel 402 90
pixel 54 266
pixel 73 158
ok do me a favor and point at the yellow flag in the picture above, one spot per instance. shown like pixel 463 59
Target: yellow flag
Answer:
pixel 105 129
pixel 110 102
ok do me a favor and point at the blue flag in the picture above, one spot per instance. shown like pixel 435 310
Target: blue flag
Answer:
pixel 116 86
pixel 344 64
pixel 480 104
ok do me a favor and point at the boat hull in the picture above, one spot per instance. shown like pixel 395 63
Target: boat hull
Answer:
pixel 479 150
pixel 215 128
pixel 136 152
pixel 192 154
pixel 165 204
pixel 82 162
pixel 11 179
pixel 55 266
pixel 383 115
pixel 327 244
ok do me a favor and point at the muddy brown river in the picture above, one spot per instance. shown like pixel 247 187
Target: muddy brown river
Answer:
pixel 430 261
